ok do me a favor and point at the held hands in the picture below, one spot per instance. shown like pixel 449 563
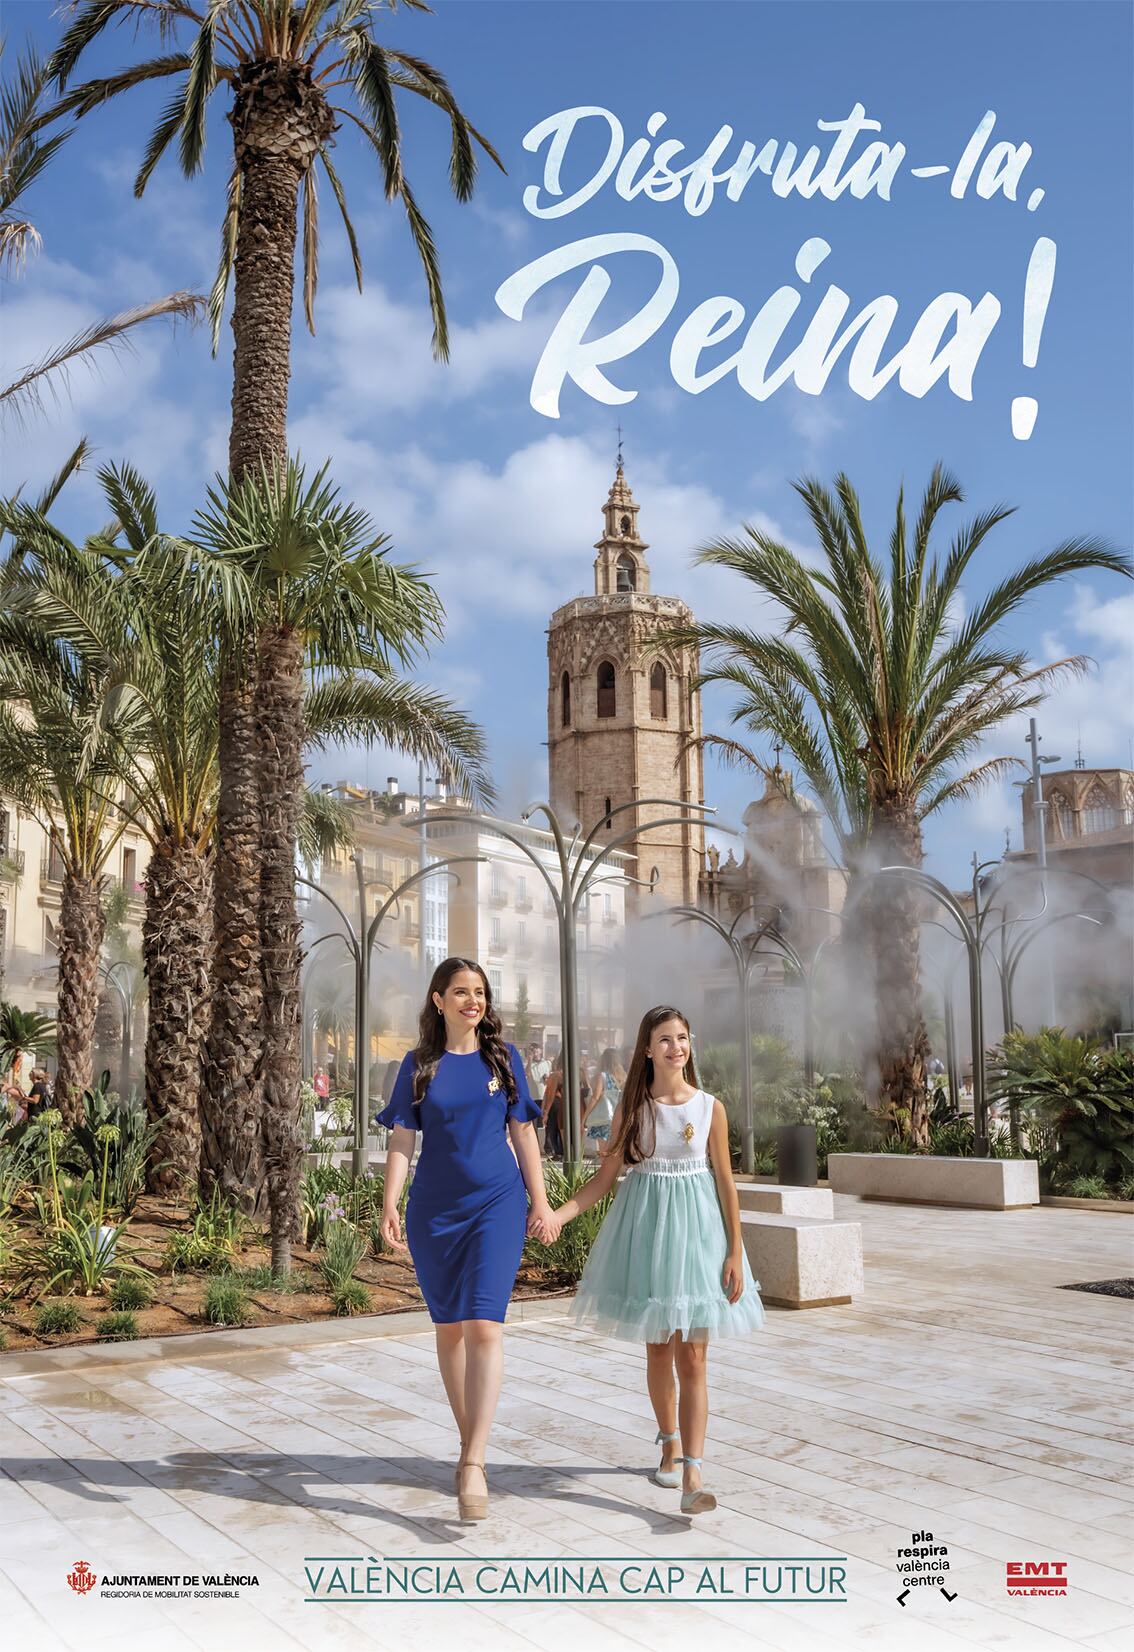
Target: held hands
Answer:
pixel 732 1277
pixel 392 1231
pixel 544 1223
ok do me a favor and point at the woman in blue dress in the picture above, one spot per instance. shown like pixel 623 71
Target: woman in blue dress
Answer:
pixel 467 1217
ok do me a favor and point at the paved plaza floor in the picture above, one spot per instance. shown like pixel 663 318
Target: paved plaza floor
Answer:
pixel 962 1395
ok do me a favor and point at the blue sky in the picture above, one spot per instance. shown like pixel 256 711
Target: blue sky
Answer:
pixel 502 503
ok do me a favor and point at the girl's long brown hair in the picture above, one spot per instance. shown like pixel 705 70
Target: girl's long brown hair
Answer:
pixel 631 1140
pixel 430 1046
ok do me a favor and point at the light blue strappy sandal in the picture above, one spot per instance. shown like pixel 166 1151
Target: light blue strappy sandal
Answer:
pixel 699 1501
pixel 668 1477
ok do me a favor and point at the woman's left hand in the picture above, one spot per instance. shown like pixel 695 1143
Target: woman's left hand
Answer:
pixel 544 1223
pixel 732 1276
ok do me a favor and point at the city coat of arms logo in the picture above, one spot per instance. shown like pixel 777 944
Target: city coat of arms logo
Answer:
pixel 82 1579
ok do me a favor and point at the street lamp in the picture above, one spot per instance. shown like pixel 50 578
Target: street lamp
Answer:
pixel 578 870
pixel 360 943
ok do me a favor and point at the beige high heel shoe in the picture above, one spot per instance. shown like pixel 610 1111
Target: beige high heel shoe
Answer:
pixel 473 1505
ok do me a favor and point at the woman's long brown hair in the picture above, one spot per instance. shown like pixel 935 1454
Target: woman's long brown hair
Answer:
pixel 430 1046
pixel 631 1140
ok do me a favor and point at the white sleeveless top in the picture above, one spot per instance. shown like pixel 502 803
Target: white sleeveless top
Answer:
pixel 681 1137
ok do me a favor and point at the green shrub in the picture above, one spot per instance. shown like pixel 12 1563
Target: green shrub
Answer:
pixel 219 1222
pixel 343 1249
pixel 129 1150
pixel 1126 1188
pixel 1087 1187
pixel 263 1279
pixel 225 1301
pixel 190 1251
pixel 351 1298
pixel 122 1327
pixel 57 1319
pixel 131 1290
pixel 3 1339
pixel 1076 1103
pixel 568 1255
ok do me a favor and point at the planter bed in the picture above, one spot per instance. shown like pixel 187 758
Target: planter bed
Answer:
pixel 176 1309
pixel 931 1179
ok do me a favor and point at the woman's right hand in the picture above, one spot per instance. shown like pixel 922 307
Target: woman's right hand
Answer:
pixel 392 1231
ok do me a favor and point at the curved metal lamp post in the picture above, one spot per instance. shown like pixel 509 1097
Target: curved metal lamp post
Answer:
pixel 360 943
pixel 933 886
pixel 744 957
pixel 578 870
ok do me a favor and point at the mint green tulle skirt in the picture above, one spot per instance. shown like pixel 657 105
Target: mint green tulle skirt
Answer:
pixel 656 1265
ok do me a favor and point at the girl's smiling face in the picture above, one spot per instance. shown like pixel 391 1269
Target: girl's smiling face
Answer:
pixel 669 1046
pixel 464 1000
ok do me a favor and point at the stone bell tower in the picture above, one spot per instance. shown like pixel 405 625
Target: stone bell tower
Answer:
pixel 618 714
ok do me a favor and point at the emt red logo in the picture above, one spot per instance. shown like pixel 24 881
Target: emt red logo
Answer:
pixel 1036 1577
pixel 82 1579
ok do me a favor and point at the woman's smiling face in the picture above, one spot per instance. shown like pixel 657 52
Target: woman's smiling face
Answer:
pixel 464 1001
pixel 669 1046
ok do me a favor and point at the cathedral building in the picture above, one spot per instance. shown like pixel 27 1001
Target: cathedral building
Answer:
pixel 620 713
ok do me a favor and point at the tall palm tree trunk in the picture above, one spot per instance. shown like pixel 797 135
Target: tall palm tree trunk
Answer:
pixel 278 120
pixel 231 1095
pixel 82 925
pixel 892 912
pixel 279 725
pixel 176 942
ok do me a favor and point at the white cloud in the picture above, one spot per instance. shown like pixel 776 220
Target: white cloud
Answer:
pixel 375 354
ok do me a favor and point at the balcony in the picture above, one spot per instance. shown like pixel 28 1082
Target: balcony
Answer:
pixel 611 920
pixel 135 892
pixel 524 904
pixel 11 865
pixel 497 896
pixel 497 948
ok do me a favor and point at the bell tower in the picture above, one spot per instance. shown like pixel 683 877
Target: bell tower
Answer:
pixel 620 712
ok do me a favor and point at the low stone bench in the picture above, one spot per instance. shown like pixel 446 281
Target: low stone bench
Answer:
pixel 933 1179
pixel 802 1261
pixel 779 1199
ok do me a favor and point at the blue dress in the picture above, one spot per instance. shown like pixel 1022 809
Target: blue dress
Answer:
pixel 468 1206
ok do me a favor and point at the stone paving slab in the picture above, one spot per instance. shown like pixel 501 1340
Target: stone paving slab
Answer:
pixel 962 1393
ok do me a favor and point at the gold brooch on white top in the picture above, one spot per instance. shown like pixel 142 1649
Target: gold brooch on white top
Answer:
pixel 688 1133
pixel 493 1085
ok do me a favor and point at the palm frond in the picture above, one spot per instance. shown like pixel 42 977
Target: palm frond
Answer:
pixel 310 247
pixel 113 332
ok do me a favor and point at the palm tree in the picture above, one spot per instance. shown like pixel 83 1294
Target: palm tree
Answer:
pixel 307 575
pixel 21 1030
pixel 24 153
pixel 59 745
pixel 119 605
pixel 282 64
pixel 882 699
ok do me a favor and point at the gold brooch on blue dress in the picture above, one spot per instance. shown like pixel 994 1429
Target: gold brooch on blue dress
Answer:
pixel 493 1085
pixel 688 1133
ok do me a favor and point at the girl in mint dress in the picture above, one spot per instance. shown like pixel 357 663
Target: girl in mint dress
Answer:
pixel 668 1267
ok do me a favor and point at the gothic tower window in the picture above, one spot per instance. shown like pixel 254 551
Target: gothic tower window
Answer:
pixel 658 692
pixel 565 694
pixel 624 526
pixel 606 692
pixel 627 574
pixel 606 812
pixel 1059 817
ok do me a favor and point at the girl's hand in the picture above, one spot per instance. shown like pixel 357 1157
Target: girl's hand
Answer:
pixel 392 1231
pixel 544 1223
pixel 732 1276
